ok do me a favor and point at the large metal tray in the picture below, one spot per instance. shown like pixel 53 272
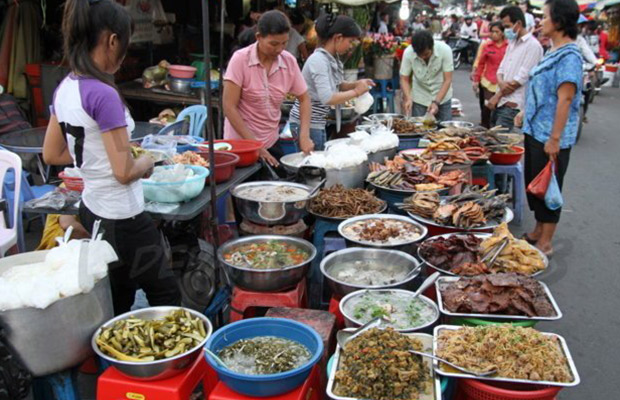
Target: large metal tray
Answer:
pixel 384 207
pixel 482 236
pixel 508 217
pixel 561 343
pixel 426 339
pixel 444 280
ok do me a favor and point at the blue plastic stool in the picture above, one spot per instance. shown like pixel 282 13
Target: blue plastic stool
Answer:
pixel 197 117
pixel 408 143
pixel 323 244
pixel 58 386
pixel 518 187
pixel 381 92
pixel 288 146
pixel 484 171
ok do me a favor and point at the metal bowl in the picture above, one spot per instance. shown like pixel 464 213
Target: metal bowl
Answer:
pixel 350 320
pixel 271 212
pixel 159 369
pixel 457 124
pixel 379 156
pixel 266 280
pixel 180 85
pixel 345 113
pixel 55 338
pixel 340 288
pixel 385 116
pixel 350 177
pixel 406 246
pixel 364 127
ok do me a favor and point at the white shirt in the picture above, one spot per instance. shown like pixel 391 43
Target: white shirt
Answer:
pixel 294 40
pixel 470 31
pixel 521 56
pixel 530 22
pixel 586 51
pixel 86 108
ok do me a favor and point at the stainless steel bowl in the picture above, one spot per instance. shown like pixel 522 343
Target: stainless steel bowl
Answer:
pixel 364 127
pixel 345 113
pixel 350 177
pixel 266 280
pixel 56 338
pixel 384 256
pixel 408 246
pixel 457 124
pixel 271 212
pixel 180 85
pixel 385 116
pixel 379 156
pixel 351 321
pixel 159 369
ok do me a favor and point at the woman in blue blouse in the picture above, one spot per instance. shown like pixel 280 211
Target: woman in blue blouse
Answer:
pixel 551 113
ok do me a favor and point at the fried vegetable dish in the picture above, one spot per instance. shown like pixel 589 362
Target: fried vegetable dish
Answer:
pixel 139 340
pixel 272 254
pixel 377 365
pixel 516 352
pixel 340 202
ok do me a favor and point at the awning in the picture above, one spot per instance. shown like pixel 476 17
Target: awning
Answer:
pixel 607 3
pixel 355 3
pixel 583 4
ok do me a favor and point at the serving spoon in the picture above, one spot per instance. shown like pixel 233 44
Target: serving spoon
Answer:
pixel 342 337
pixel 467 371
pixel 215 357
pixel 426 284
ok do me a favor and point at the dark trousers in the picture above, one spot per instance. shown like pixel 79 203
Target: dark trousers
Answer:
pixel 142 261
pixel 535 160
pixel 485 112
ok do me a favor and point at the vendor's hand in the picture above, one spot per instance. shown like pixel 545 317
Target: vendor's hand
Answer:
pixel 362 86
pixel 147 164
pixel 264 154
pixel 492 103
pixel 518 121
pixel 552 148
pixel 406 105
pixel 476 88
pixel 433 109
pixel 306 144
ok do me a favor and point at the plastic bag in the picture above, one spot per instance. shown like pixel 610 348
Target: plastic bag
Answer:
pixel 363 103
pixel 553 197
pixel 538 187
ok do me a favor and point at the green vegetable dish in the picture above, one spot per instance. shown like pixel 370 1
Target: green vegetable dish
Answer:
pixel 398 308
pixel 272 254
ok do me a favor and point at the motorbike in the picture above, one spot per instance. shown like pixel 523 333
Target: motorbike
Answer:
pixel 588 91
pixel 459 46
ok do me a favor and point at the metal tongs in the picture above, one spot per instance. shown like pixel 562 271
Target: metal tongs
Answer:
pixel 491 257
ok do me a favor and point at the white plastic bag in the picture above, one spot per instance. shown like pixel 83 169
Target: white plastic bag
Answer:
pixel 363 103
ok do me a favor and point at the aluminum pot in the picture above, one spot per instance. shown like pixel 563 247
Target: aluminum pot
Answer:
pixel 56 338
pixel 266 280
pixel 457 124
pixel 350 177
pixel 158 369
pixel 381 155
pixel 383 256
pixel 180 85
pixel 409 246
pixel 271 212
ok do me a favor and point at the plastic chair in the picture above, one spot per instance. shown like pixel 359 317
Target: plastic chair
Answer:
pixel 8 236
pixel 197 117
pixel 174 129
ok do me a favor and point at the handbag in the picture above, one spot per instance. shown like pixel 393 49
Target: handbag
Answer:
pixel 538 186
pixel 15 380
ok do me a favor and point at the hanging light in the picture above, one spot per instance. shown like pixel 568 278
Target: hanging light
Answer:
pixel 403 13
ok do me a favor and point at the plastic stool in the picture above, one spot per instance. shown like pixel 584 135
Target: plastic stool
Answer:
pixel 408 143
pixel 483 175
pixel 59 386
pixel 518 190
pixel 310 390
pixel 242 300
pixel 112 385
pixel 197 117
pixel 381 92
pixel 334 308
pixel 321 229
pixel 470 389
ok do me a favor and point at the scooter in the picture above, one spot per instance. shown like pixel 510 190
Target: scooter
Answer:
pixel 587 95
pixel 459 47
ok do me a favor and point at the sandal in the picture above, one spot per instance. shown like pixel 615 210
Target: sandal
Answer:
pixel 528 239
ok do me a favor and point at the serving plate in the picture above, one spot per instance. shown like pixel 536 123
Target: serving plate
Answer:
pixel 446 280
pixel 560 341
pixel 508 217
pixel 427 341
pixel 482 236
pixel 421 228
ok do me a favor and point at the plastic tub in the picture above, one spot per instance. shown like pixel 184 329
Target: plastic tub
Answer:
pixel 72 183
pixel 484 322
pixel 225 163
pixel 470 389
pixel 272 384
pixel 176 192
pixel 507 158
pixel 246 149
pixel 182 71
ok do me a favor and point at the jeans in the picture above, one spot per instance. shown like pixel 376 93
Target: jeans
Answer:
pixel 318 136
pixel 504 116
pixel 444 113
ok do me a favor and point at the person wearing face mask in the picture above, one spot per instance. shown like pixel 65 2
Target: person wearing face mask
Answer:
pixel 323 73
pixel 426 77
pixel 522 54
pixel 257 80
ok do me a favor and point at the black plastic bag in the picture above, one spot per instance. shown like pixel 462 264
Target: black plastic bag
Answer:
pixel 15 380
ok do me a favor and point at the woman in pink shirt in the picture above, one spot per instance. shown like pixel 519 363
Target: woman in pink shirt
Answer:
pixel 257 80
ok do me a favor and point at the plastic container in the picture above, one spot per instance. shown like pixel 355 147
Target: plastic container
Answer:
pixel 176 192
pixel 225 163
pixel 484 322
pixel 271 384
pixel 72 183
pixel 182 71
pixel 507 158
pixel 470 389
pixel 246 149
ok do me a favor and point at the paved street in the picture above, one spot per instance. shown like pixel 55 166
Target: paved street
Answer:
pixel 584 275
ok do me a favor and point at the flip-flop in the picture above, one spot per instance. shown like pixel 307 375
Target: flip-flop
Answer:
pixel 549 254
pixel 528 239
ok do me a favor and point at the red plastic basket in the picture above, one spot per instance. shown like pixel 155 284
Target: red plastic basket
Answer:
pixel 72 183
pixel 470 389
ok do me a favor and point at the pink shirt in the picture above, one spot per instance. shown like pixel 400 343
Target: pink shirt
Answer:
pixel 262 93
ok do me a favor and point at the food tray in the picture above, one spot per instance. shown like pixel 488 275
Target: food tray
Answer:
pixel 427 341
pixel 479 235
pixel 561 343
pixel 444 280
pixel 339 219
pixel 508 217
pixel 441 192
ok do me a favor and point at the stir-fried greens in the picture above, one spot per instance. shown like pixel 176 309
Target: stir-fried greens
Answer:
pixel 272 254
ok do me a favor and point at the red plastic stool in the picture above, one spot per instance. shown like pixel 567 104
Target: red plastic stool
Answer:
pixel 334 308
pixel 112 385
pixel 470 389
pixel 242 300
pixel 310 390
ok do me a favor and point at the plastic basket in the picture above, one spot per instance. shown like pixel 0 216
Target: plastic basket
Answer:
pixel 72 183
pixel 470 389
pixel 176 192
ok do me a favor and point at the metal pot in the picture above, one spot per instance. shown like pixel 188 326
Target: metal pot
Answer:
pixel 159 369
pixel 271 212
pixel 409 246
pixel 383 256
pixel 379 156
pixel 350 177
pixel 56 338
pixel 266 280
pixel 457 124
